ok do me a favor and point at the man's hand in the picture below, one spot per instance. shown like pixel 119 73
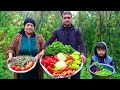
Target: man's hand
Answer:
pixel 83 58
pixel 37 57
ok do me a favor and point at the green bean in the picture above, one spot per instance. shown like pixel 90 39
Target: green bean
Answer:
pixel 21 60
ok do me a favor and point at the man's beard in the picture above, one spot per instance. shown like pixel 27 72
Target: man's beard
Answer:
pixel 67 25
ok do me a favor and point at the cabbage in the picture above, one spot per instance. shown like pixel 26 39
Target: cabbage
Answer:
pixel 61 57
pixel 60 65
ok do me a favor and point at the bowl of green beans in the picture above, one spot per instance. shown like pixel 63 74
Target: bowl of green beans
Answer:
pixel 21 64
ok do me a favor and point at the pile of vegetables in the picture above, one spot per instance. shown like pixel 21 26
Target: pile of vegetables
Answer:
pixel 22 63
pixel 62 64
pixel 104 72
pixel 100 70
pixel 61 60
pixel 57 47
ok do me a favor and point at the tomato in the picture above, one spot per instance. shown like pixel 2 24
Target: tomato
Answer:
pixel 30 63
pixel 23 69
pixel 13 67
pixel 18 68
pixel 27 67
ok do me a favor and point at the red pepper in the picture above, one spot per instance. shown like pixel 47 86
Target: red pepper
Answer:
pixel 50 69
pixel 52 56
pixel 67 68
pixel 46 62
pixel 53 61
pixel 55 57
pixel 47 57
pixel 42 62
pixel 52 65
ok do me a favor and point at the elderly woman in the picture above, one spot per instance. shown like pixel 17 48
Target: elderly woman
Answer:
pixel 27 42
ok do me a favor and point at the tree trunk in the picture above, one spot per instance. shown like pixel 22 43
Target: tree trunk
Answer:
pixel 97 25
pixel 61 12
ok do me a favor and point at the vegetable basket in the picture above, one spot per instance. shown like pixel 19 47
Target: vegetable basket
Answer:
pixel 21 71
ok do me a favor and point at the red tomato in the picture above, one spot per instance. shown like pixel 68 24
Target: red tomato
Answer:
pixel 18 68
pixel 27 67
pixel 23 69
pixel 13 67
pixel 30 63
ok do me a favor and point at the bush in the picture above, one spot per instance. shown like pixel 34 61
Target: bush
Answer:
pixel 4 72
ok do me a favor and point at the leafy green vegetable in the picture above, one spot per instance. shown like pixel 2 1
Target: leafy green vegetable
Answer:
pixel 57 47
pixel 104 72
pixel 98 66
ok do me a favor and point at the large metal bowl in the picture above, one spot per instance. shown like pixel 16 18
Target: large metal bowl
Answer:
pixel 60 76
pixel 9 67
pixel 106 66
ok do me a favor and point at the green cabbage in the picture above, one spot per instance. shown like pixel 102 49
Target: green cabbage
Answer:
pixel 60 65
pixel 61 57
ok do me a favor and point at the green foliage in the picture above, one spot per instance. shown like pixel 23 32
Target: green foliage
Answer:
pixel 51 22
pixel 85 74
pixel 95 26
pixel 4 72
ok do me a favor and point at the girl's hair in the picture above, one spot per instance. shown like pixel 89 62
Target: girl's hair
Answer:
pixel 100 45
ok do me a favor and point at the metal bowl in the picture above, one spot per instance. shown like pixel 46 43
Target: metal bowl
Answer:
pixel 106 66
pixel 9 67
pixel 60 76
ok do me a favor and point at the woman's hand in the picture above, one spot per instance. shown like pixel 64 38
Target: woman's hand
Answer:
pixel 37 57
pixel 83 58
pixel 9 58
